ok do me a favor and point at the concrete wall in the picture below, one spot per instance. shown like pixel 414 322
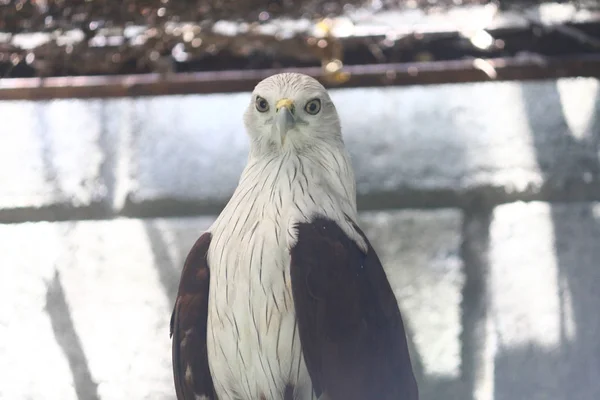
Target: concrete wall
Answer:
pixel 481 199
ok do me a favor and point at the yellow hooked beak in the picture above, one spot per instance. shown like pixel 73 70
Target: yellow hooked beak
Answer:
pixel 285 118
pixel 287 103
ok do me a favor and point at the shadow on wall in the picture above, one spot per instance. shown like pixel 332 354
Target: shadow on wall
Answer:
pixel 568 368
pixel 168 263
pixel 69 341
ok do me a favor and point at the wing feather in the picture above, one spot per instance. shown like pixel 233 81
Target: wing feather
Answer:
pixel 191 371
pixel 350 327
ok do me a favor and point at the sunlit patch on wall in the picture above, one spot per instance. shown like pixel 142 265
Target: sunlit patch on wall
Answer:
pixel 579 101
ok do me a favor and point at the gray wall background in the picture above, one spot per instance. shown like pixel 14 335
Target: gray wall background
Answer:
pixel 481 199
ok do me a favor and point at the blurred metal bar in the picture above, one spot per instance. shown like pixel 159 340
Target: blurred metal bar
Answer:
pixel 375 75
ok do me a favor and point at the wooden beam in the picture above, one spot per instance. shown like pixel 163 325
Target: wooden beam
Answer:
pixel 399 74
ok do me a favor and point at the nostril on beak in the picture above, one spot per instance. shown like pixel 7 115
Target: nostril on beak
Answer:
pixel 286 103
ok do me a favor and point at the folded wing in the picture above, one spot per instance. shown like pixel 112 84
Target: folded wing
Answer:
pixel 350 327
pixel 188 327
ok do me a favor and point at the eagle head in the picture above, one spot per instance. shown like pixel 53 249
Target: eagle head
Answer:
pixel 291 111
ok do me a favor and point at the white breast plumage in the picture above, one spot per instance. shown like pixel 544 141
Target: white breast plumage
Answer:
pixel 250 301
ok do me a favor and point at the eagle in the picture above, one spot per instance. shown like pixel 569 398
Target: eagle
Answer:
pixel 283 297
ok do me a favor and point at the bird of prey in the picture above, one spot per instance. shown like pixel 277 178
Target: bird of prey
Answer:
pixel 284 298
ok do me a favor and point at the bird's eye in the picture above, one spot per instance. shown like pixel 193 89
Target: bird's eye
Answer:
pixel 262 105
pixel 313 107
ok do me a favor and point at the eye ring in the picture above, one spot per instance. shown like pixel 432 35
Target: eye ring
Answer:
pixel 261 104
pixel 313 106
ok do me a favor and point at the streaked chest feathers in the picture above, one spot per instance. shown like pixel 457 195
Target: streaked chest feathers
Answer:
pixel 252 335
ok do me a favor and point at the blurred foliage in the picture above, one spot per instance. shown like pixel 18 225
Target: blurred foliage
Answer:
pixel 86 37
pixel 48 15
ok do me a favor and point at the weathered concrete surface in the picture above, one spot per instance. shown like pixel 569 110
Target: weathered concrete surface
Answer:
pixel 32 362
pixel 428 145
pixel 85 306
pixel 101 289
pixel 422 146
pixel 477 344
pixel 51 158
pixel 545 274
pixel 187 152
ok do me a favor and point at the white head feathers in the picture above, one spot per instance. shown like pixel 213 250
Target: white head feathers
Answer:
pixel 291 111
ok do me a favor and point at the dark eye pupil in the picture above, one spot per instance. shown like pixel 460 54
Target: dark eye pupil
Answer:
pixel 313 106
pixel 261 104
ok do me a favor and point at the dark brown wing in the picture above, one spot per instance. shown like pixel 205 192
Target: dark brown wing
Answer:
pixel 188 326
pixel 350 326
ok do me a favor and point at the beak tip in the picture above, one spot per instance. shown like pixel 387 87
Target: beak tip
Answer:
pixel 285 120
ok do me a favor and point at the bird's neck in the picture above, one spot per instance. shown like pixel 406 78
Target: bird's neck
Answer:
pixel 290 188
pixel 323 174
